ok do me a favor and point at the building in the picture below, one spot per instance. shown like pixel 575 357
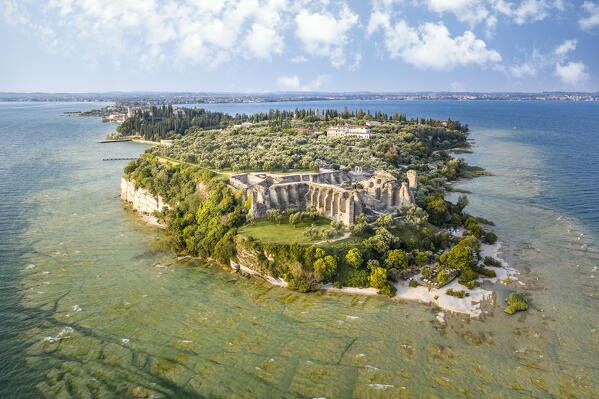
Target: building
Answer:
pixel 244 124
pixel 373 123
pixel 361 132
pixel 332 193
pixel 166 142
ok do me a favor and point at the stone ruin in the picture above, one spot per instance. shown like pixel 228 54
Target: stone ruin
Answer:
pixel 338 195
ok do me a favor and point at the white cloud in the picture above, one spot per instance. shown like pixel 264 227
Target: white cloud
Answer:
pixel 184 32
pixel 208 32
pixel 321 33
pixel 471 11
pixel 356 63
pixel 565 47
pixel 292 83
pixel 299 59
pixel 527 69
pixel 592 19
pixel 289 82
pixel 491 22
pixel 264 41
pixel 527 10
pixel 431 45
pixel 572 73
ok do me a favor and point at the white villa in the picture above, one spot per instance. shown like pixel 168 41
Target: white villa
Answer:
pixel 361 132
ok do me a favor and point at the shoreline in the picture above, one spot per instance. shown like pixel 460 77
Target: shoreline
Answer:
pixel 475 305
pixel 472 305
pixel 142 141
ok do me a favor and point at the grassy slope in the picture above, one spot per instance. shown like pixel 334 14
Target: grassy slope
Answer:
pixel 284 233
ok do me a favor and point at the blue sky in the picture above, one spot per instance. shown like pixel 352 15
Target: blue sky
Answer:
pixel 298 45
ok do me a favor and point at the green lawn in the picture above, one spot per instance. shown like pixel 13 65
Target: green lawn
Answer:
pixel 284 233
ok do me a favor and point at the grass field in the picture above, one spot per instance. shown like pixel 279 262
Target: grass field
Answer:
pixel 284 233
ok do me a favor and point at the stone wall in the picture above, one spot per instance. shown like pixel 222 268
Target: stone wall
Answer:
pixel 412 179
pixel 328 192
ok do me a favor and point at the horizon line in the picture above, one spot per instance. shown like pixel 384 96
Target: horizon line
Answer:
pixel 296 93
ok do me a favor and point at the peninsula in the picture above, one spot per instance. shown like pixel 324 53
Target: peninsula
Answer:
pixel 309 200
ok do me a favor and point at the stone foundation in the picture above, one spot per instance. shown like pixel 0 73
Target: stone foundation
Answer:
pixel 329 192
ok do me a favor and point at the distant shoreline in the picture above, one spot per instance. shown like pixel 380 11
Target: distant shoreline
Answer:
pixel 157 98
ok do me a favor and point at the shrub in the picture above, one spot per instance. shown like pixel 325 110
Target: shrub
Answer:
pixel 358 278
pixel 487 272
pixel 490 237
pixel 325 268
pixel 443 278
pixel 516 303
pixel 421 259
pixel 489 261
pixel 413 283
pixel 378 277
pixel 458 294
pixel 467 278
pixel 427 272
pixel 459 257
pixel 354 258
pixel 397 259
pixel 372 264
pixel 393 274
pixel 388 290
pixel 470 284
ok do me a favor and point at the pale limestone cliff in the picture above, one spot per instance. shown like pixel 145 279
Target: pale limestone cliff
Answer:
pixel 141 200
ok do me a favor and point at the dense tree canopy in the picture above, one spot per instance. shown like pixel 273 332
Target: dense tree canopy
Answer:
pixel 207 213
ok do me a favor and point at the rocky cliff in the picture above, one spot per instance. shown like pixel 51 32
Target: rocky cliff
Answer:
pixel 141 200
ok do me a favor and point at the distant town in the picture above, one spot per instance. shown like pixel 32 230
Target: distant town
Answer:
pixel 144 99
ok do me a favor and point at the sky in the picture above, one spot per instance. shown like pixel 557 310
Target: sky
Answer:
pixel 254 46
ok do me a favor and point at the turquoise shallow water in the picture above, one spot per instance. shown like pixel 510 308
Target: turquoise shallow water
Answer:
pixel 87 311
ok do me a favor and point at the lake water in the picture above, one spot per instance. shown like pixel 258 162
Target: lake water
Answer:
pixel 86 310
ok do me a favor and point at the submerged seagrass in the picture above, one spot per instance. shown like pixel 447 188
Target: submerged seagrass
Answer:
pixel 87 310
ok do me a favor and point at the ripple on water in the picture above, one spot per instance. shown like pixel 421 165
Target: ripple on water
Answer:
pixel 138 330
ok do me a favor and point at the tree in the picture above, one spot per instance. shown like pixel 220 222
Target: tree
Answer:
pixel 274 215
pixel 345 114
pixel 378 278
pixel 326 267
pixel 372 264
pixel 437 209
pixel 443 278
pixel 415 215
pixel 462 203
pixel 382 241
pixel 354 258
pixel 295 218
pixel 421 259
pixel 459 257
pixel 384 221
pixel 490 237
pixel 313 253
pixel 397 259
pixel 472 225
